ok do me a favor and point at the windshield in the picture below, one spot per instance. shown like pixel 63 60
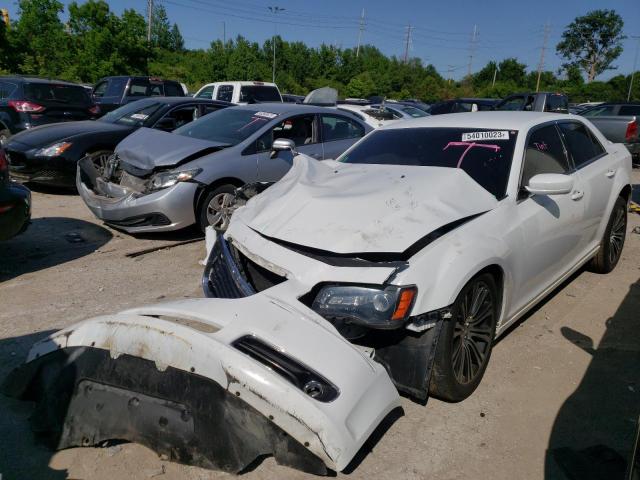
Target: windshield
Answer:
pixel 133 114
pixel 259 93
pixel 485 155
pixel 414 112
pixel 229 126
pixel 45 93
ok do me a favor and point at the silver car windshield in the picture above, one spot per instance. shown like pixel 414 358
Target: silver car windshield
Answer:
pixel 229 126
pixel 133 114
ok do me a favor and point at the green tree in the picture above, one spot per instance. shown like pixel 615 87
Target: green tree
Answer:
pixel 510 70
pixel 177 42
pixel 592 42
pixel 161 29
pixel 361 86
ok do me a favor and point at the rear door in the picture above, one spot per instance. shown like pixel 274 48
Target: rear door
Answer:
pixel 109 93
pixel 60 102
pixel 303 130
pixel 596 170
pixel 338 134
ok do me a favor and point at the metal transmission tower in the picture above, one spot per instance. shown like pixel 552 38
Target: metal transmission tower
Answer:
pixel 149 19
pixel 635 63
pixel 542 51
pixel 360 30
pixel 472 48
pixel 407 43
pixel 274 10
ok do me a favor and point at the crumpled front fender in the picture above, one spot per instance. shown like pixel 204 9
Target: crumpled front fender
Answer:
pixel 208 398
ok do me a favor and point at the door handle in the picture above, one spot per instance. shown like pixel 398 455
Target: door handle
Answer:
pixel 577 195
pixel 610 173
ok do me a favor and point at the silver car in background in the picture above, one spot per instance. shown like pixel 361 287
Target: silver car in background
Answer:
pixel 158 181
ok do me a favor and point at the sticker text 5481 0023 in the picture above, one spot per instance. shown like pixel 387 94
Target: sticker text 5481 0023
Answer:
pixel 487 135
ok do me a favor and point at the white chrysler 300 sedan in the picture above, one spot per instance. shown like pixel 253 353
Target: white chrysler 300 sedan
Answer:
pixel 393 268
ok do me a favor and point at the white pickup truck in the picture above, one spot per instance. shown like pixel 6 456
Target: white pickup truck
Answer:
pixel 241 92
pixel 618 122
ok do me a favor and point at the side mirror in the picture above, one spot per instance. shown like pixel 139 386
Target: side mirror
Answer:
pixel 282 145
pixel 166 123
pixel 550 184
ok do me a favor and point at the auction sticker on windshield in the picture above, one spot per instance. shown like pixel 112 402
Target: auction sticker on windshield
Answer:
pixel 265 114
pixel 490 135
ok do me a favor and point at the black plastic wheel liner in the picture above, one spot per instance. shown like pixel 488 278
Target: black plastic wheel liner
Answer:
pixel 84 398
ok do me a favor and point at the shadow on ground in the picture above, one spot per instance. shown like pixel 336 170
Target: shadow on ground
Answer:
pixel 20 457
pixel 49 241
pixel 594 429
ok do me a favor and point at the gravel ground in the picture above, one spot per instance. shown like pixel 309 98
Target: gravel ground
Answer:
pixel 565 376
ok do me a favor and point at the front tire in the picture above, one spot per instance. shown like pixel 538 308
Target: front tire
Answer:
pixel 613 240
pixel 216 208
pixel 466 341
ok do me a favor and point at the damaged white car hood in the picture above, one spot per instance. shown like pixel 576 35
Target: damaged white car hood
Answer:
pixel 361 208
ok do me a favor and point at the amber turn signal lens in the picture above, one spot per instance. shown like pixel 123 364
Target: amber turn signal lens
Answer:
pixel 404 304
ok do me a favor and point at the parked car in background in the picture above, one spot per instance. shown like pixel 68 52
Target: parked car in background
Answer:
pixel 241 92
pixel 15 203
pixel 291 98
pixel 460 105
pixel 163 181
pixel 619 123
pixel 400 111
pixel 112 92
pixel 375 118
pixel 26 102
pixel 535 102
pixel 416 103
pixel 49 154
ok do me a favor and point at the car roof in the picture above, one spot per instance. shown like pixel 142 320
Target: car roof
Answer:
pixel 285 108
pixel 21 78
pixel 172 100
pixel 483 120
pixel 242 82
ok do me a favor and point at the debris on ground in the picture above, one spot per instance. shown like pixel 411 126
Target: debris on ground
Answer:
pixel 636 230
pixel 74 237
pixel 156 472
pixel 114 450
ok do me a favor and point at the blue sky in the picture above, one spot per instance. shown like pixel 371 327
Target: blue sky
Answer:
pixel 441 31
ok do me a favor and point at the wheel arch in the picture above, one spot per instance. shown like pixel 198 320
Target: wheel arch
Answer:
pixel 626 193
pixel 204 189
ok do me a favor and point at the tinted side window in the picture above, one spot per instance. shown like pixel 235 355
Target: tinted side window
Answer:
pixel 225 93
pixel 206 92
pixel 299 129
pixel 6 89
pixel 580 142
pixel 173 90
pixel 544 154
pixel 335 127
pixel 116 87
pixel 602 111
pixel 556 103
pixel 629 110
pixel 512 104
pixel 138 88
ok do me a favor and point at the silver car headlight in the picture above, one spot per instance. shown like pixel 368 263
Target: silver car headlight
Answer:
pixel 53 150
pixel 377 307
pixel 169 179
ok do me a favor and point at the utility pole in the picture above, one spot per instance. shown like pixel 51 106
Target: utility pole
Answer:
pixel 472 48
pixel 149 19
pixel 495 74
pixel 635 62
pixel 360 30
pixel 407 43
pixel 544 48
pixel 450 72
pixel 274 10
pixel 224 34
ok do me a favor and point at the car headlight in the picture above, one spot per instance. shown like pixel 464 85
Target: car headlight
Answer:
pixel 376 307
pixel 169 179
pixel 53 150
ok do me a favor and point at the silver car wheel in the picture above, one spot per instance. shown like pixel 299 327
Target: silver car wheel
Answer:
pixel 220 209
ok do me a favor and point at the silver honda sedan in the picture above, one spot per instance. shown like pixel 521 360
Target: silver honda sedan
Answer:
pixel 158 181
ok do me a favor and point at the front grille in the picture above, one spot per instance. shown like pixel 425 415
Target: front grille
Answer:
pixel 230 274
pixel 222 278
pixel 150 220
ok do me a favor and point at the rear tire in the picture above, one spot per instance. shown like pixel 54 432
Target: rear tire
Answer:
pixel 613 240
pixel 466 341
pixel 216 208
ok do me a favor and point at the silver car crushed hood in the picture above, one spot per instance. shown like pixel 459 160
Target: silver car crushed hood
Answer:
pixel 148 149
pixel 348 208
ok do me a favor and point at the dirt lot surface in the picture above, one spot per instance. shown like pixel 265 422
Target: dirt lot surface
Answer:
pixel 566 376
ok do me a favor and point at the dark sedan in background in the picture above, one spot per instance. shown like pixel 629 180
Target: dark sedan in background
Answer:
pixel 49 154
pixel 15 203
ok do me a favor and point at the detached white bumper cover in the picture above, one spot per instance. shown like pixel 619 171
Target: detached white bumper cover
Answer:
pixel 210 382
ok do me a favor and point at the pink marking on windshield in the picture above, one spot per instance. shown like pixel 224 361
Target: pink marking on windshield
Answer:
pixel 254 120
pixel 469 146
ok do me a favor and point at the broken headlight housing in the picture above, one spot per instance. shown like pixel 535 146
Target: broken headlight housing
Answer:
pixel 169 179
pixel 375 307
